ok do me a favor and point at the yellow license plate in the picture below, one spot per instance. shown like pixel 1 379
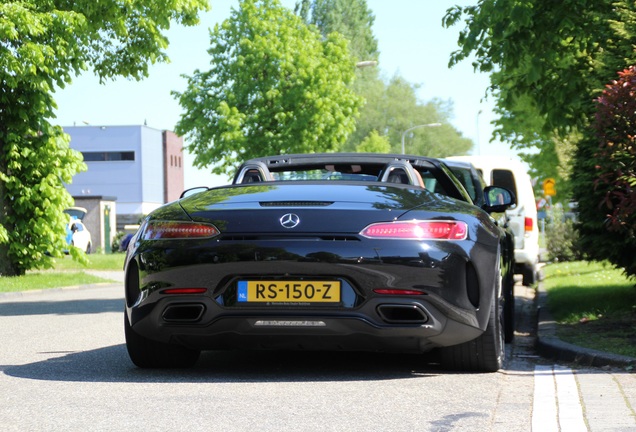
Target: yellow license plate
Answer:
pixel 289 291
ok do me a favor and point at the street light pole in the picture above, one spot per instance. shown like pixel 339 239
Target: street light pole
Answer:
pixel 366 63
pixel 416 127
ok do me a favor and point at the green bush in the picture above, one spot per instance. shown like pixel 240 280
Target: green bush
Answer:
pixel 604 177
pixel 116 243
pixel 562 239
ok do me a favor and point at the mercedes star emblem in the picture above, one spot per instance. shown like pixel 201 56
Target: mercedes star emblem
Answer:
pixel 290 220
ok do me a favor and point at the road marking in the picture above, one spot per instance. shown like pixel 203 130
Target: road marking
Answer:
pixel 544 407
pixel 555 389
pixel 570 410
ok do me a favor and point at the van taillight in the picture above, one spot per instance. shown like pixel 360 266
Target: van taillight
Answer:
pixel 528 224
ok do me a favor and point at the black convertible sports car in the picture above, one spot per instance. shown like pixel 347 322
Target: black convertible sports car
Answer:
pixel 368 252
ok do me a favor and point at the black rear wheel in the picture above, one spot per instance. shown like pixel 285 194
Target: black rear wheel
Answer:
pixel 484 354
pixel 146 353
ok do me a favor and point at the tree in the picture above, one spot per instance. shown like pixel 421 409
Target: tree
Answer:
pixel 608 208
pixel 43 44
pixel 529 48
pixel 374 143
pixel 275 86
pixel 390 107
pixel 351 18
pixel 393 107
pixel 549 62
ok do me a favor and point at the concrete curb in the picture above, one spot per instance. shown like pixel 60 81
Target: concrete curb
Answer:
pixel 550 346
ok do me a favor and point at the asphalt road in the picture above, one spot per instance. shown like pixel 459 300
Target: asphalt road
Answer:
pixel 64 367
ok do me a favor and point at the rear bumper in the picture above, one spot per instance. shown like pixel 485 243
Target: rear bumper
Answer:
pixel 422 327
pixel 455 281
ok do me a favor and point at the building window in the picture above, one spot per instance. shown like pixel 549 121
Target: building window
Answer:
pixel 108 156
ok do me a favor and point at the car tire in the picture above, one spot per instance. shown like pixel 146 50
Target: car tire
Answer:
pixel 484 354
pixel 529 274
pixel 88 249
pixel 146 353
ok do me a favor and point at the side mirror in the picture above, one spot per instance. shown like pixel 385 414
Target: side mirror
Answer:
pixel 498 199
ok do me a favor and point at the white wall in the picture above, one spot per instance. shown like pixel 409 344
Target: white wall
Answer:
pixel 137 185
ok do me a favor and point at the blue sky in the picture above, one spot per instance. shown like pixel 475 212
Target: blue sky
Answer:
pixel 412 43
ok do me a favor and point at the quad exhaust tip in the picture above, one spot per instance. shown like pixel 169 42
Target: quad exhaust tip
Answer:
pixel 183 313
pixel 402 314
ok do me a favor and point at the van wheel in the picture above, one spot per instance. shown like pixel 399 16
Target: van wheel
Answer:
pixel 529 275
pixel 509 309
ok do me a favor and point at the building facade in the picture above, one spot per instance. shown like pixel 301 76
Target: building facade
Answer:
pixel 140 166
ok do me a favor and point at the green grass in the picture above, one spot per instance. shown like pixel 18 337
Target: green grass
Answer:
pixel 594 305
pixel 66 272
pixel 95 262
pixel 46 280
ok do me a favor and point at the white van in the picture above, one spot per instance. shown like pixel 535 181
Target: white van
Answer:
pixel 512 174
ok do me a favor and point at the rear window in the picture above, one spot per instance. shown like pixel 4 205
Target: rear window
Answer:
pixel 321 174
pixel 75 213
pixel 505 179
pixel 431 183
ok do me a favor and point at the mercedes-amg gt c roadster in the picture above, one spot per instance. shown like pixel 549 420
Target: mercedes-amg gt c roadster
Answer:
pixel 361 252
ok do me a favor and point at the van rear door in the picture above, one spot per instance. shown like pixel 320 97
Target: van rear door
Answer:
pixel 516 215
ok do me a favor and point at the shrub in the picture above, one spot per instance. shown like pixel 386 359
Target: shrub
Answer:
pixel 562 239
pixel 116 243
pixel 606 181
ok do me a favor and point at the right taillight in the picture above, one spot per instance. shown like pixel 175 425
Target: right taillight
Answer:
pixel 528 224
pixel 417 230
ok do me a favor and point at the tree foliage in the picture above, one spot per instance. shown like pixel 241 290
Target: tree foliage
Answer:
pixel 547 59
pixel 351 18
pixel 608 207
pixel 43 44
pixel 390 107
pixel 274 86
pixel 549 62
pixel 393 107
pixel 374 143
pixel 615 124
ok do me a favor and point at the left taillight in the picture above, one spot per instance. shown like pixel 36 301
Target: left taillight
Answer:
pixel 173 230
pixel 417 230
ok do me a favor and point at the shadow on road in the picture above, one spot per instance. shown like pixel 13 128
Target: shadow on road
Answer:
pixel 111 364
